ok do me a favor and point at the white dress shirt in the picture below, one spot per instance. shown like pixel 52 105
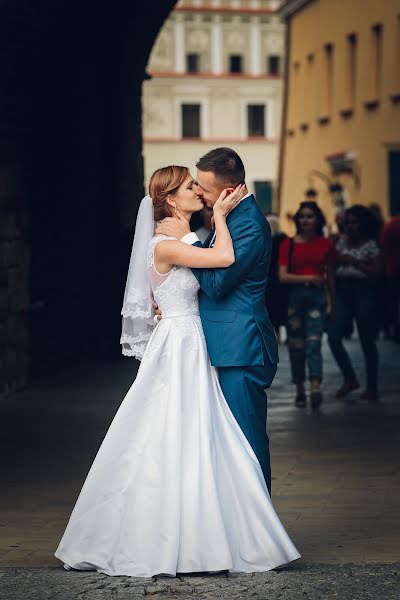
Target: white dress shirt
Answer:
pixel 191 238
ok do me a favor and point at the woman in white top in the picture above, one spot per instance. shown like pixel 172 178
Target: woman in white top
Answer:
pixel 358 266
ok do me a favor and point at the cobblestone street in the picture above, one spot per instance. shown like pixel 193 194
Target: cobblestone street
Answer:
pixel 336 487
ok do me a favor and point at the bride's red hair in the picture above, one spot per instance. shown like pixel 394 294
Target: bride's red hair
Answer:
pixel 163 182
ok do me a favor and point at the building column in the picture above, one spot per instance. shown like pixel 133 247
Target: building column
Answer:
pixel 216 46
pixel 255 47
pixel 270 120
pixel 205 118
pixel 179 28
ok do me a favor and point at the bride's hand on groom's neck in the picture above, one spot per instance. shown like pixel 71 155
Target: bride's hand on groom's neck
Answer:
pixel 176 226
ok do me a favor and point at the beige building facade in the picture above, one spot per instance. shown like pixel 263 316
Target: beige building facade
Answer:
pixel 216 80
pixel 342 105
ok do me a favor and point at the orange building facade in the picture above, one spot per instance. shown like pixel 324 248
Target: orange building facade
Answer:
pixel 341 117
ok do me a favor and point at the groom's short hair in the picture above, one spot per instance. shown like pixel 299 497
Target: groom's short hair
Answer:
pixel 226 165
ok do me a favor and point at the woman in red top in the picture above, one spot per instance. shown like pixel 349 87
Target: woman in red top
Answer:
pixel 306 266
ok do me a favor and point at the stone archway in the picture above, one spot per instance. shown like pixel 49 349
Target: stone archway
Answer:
pixel 70 174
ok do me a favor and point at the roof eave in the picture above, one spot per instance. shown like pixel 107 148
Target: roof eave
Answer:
pixel 291 7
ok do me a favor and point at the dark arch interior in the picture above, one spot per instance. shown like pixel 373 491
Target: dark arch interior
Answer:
pixel 70 173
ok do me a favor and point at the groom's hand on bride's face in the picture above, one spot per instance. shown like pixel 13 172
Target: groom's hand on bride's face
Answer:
pixel 176 227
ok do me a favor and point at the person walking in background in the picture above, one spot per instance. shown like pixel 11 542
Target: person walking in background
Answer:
pixel 383 293
pixel 391 260
pixel 357 272
pixel 273 293
pixel 339 221
pixel 306 266
pixel 376 210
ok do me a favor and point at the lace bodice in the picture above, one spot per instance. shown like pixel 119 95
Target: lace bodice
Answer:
pixel 175 292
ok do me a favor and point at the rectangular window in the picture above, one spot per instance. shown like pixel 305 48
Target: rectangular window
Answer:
pixel 394 181
pixel 293 108
pixel 306 108
pixel 190 120
pixel 274 64
pixel 351 69
pixel 256 119
pixel 327 102
pixel 235 63
pixel 377 37
pixel 263 191
pixel 192 63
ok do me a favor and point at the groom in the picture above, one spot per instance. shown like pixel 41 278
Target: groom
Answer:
pixel 240 339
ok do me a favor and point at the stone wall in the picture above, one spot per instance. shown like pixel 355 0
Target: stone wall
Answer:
pixel 71 176
pixel 14 280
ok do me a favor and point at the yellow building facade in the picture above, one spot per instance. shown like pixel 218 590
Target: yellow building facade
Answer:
pixel 341 118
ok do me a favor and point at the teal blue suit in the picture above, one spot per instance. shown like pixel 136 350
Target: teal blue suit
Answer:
pixel 240 339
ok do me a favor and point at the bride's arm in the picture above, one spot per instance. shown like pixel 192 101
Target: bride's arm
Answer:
pixel 168 253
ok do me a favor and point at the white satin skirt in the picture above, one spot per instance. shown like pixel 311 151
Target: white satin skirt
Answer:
pixel 175 486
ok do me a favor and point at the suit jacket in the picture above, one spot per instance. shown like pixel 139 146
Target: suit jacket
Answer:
pixel 235 320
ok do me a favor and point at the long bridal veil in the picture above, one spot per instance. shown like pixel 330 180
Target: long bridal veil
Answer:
pixel 137 312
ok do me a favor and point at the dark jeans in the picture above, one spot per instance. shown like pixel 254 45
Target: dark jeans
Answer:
pixel 305 325
pixel 355 299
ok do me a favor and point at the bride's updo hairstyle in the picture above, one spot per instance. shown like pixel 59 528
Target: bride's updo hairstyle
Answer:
pixel 163 182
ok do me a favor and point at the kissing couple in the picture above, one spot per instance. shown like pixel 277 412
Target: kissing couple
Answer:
pixel 182 480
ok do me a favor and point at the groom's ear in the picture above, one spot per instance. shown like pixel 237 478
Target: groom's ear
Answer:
pixel 230 190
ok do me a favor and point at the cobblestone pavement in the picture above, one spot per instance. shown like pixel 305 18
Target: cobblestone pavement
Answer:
pixel 305 582
pixel 336 485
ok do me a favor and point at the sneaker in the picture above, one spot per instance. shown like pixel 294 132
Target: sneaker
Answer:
pixel 346 388
pixel 301 399
pixel 316 399
pixel 370 396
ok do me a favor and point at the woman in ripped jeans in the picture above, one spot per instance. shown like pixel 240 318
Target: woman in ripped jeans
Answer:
pixel 306 266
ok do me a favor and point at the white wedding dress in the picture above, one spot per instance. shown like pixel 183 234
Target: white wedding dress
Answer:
pixel 175 486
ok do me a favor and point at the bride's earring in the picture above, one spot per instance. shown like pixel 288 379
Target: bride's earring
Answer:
pixel 175 209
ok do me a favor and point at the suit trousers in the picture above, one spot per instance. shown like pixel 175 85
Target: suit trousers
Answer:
pixel 244 391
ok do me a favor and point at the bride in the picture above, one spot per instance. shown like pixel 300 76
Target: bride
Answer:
pixel 175 486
